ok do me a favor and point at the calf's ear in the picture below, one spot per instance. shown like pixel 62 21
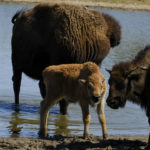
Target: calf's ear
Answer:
pixel 82 81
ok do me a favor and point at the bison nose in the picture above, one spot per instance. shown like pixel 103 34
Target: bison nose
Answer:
pixel 114 103
pixel 96 99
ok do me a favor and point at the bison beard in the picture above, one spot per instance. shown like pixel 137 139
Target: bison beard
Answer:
pixel 59 34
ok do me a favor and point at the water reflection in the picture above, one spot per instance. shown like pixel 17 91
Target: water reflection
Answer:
pixel 15 125
pixel 17 121
pixel 61 125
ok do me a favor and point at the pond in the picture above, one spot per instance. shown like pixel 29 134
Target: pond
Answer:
pixel 23 120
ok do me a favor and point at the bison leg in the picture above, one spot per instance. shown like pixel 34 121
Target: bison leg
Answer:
pixel 148 116
pixel 42 88
pixel 16 84
pixel 63 104
pixel 86 118
pixel 102 119
pixel 148 147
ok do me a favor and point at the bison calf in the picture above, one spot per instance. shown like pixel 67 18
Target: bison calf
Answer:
pixel 82 83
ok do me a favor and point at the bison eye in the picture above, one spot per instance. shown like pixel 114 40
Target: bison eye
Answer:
pixel 135 77
pixel 88 86
pixel 120 86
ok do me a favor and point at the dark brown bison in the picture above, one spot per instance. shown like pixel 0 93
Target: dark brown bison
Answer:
pixel 131 81
pixel 59 34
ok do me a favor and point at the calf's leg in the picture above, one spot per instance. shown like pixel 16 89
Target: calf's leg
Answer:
pixel 63 104
pixel 44 112
pixel 16 84
pixel 86 118
pixel 102 119
pixel 45 106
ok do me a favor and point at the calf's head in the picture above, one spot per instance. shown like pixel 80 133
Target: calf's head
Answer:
pixel 125 84
pixel 95 88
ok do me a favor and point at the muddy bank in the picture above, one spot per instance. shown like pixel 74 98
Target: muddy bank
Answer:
pixel 75 142
pixel 124 6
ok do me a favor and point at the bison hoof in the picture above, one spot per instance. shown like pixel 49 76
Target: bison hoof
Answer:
pixel 148 147
pixel 42 134
pixel 105 136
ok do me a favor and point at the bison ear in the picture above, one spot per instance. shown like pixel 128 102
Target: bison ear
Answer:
pixel 109 71
pixel 82 81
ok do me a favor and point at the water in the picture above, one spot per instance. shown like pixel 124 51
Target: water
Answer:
pixel 23 120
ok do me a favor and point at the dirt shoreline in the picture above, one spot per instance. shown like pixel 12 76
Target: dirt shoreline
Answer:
pixel 124 6
pixel 60 142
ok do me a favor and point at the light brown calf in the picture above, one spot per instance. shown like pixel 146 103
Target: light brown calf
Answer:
pixel 82 83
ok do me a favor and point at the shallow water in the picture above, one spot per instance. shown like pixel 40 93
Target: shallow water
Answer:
pixel 23 120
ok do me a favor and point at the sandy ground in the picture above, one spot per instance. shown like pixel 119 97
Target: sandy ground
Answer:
pixel 60 142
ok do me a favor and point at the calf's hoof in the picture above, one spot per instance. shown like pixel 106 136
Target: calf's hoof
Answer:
pixel 85 136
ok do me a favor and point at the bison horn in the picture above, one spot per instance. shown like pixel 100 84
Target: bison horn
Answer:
pixel 144 67
pixel 109 71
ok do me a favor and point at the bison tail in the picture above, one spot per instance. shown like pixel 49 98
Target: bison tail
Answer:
pixel 14 18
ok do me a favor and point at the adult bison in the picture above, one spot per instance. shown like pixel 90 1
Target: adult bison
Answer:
pixel 131 81
pixel 59 34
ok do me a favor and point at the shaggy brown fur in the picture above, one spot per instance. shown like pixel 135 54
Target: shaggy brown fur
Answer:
pixel 59 34
pixel 82 83
pixel 131 80
pixel 113 32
